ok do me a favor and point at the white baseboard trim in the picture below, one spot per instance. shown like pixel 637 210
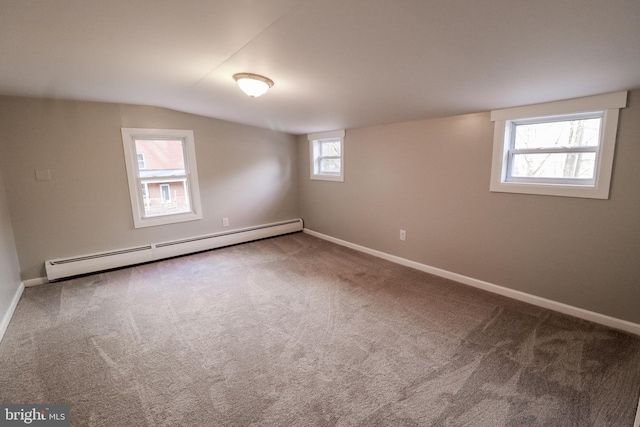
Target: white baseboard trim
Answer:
pixel 12 307
pixel 636 423
pixel 581 313
pixel 35 282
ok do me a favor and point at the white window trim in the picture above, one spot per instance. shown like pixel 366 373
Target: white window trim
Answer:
pixel 609 104
pixel 129 135
pixel 315 139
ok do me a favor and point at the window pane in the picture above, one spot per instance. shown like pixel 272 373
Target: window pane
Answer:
pixel 330 165
pixel 571 133
pixel 161 157
pixel 167 197
pixel 554 165
pixel 330 149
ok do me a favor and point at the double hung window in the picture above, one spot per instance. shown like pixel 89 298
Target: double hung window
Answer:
pixel 555 150
pixel 162 175
pixel 562 148
pixel 327 155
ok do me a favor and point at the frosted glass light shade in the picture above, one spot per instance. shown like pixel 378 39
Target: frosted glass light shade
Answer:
pixel 253 85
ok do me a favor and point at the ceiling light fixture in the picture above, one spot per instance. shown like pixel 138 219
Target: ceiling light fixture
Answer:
pixel 253 85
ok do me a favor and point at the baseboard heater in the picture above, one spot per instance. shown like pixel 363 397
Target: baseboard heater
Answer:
pixel 92 263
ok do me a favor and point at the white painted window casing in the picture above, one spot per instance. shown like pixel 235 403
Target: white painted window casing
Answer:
pixel 141 181
pixel 593 123
pixel 326 152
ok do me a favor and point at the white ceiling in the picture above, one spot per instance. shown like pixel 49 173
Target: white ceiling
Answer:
pixel 336 63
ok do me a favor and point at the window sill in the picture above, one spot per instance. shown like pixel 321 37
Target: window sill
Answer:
pixel 582 191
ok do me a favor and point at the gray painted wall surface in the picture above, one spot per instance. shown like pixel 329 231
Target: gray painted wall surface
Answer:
pixel 9 267
pixel 246 174
pixel 431 178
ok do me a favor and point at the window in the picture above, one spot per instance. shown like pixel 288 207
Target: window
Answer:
pixel 326 153
pixel 165 191
pixel 162 175
pixel 562 148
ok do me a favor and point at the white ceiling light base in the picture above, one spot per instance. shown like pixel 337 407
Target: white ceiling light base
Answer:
pixel 253 85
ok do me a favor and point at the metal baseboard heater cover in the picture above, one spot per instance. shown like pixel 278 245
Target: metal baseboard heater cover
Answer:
pixel 92 263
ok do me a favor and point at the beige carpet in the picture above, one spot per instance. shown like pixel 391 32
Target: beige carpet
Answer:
pixel 296 331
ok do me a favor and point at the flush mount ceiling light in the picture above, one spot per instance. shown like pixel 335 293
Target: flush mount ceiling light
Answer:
pixel 253 85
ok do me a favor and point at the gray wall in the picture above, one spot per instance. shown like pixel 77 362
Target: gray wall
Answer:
pixel 245 173
pixel 9 267
pixel 431 178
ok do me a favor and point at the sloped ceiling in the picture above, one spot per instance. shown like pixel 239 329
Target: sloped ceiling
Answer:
pixel 336 63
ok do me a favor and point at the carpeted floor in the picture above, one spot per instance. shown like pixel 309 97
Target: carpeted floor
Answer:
pixel 296 331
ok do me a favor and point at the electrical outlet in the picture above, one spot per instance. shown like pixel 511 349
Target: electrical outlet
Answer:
pixel 403 234
pixel 225 222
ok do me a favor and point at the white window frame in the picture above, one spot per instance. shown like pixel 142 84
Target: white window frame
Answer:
pixel 140 157
pixel 315 150
pixel 129 136
pixel 606 105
